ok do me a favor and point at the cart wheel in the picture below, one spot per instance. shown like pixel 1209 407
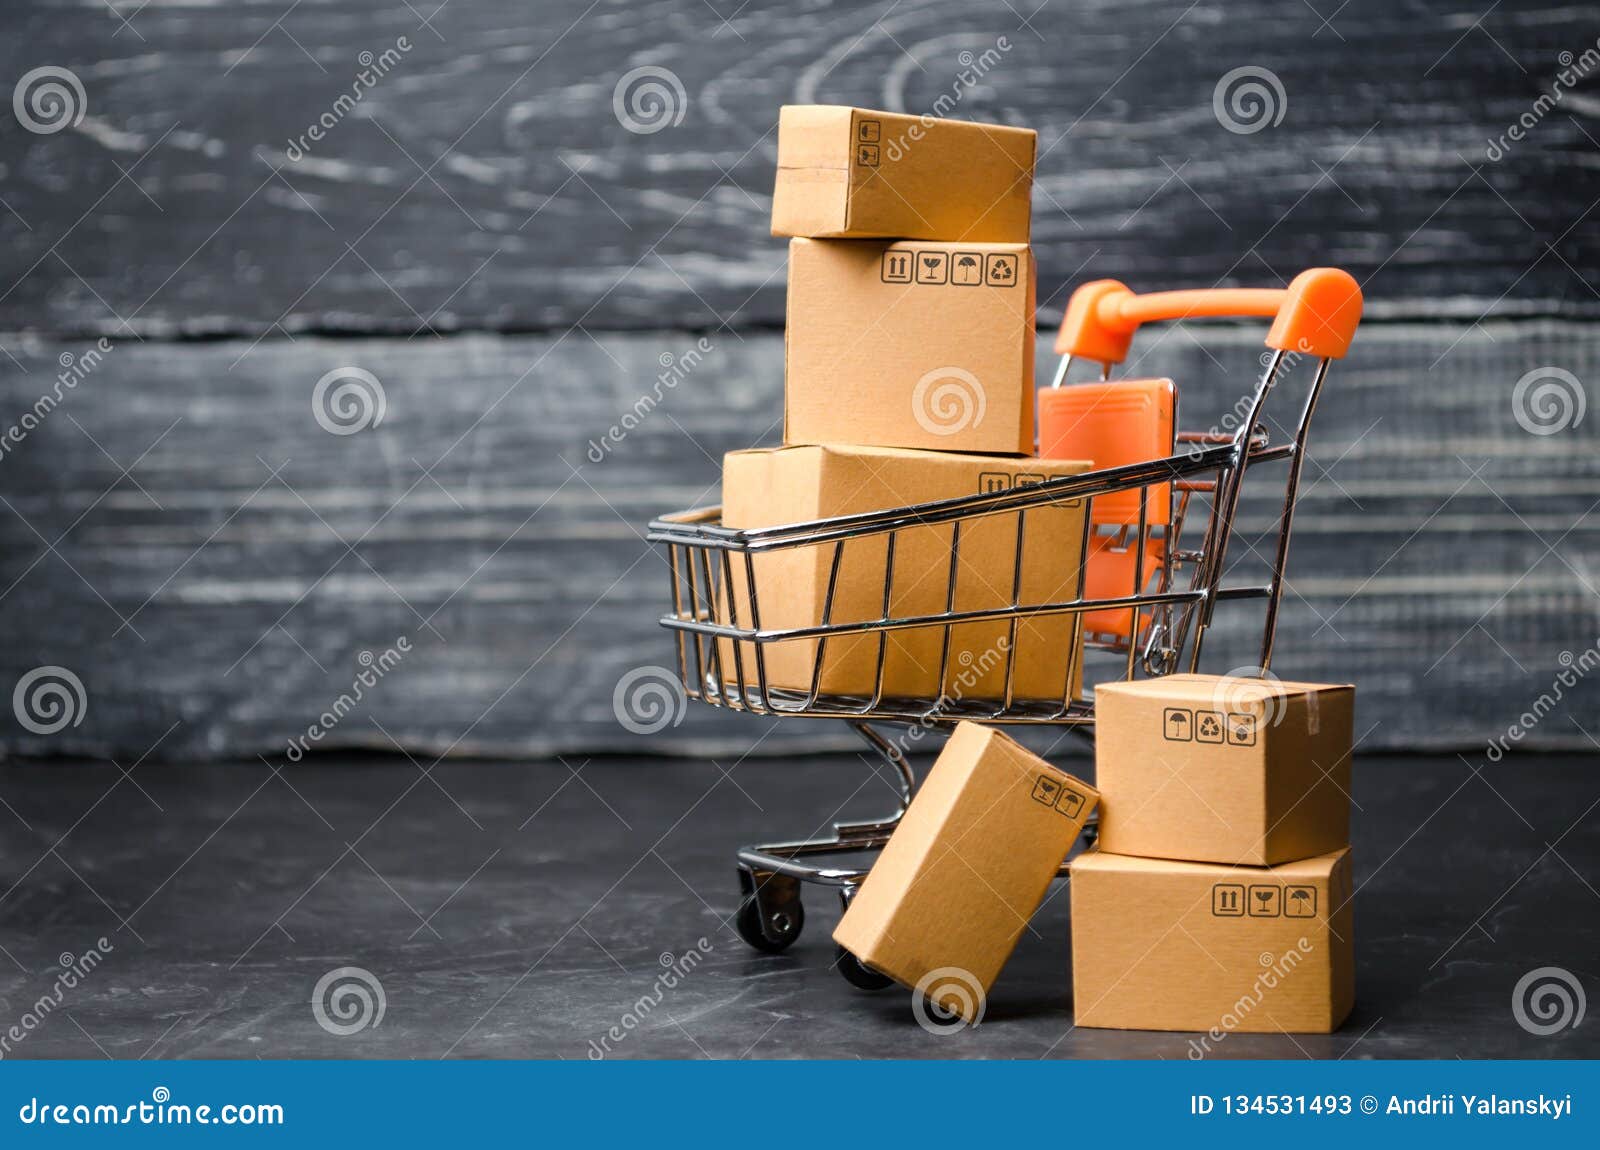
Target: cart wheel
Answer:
pixel 859 975
pixel 786 925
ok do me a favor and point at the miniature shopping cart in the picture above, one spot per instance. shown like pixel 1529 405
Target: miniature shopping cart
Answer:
pixel 1140 592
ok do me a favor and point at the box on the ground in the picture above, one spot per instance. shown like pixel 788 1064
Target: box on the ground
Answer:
pixel 1224 769
pixel 769 487
pixel 1165 945
pixel 964 872
pixel 910 345
pixel 852 173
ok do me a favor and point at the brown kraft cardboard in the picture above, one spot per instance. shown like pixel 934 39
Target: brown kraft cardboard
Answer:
pixel 1224 769
pixel 770 487
pixel 898 344
pixel 853 173
pixel 1165 945
pixel 942 908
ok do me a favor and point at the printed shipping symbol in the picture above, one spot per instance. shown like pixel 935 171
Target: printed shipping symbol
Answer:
pixel 968 269
pixel 1227 900
pixel 1266 901
pixel 1001 270
pixel 1302 902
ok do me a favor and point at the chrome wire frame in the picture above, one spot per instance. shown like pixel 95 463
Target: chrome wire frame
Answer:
pixel 721 641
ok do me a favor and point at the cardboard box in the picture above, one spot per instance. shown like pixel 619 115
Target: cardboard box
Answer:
pixel 774 486
pixel 969 864
pixel 1163 945
pixel 910 345
pixel 1224 769
pixel 852 173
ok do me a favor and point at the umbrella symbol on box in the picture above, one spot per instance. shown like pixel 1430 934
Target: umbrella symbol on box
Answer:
pixel 969 269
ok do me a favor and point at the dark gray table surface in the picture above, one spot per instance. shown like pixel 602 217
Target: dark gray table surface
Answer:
pixel 522 909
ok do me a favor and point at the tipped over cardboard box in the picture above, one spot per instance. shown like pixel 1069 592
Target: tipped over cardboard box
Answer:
pixel 849 172
pixel 1164 945
pixel 770 487
pixel 1224 769
pixel 942 908
pixel 910 345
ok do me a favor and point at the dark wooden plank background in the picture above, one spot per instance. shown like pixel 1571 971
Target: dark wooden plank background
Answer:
pixel 484 182
pixel 486 238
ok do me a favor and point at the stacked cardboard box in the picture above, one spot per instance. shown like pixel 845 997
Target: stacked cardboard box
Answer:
pixel 1218 896
pixel 908 377
pixel 950 895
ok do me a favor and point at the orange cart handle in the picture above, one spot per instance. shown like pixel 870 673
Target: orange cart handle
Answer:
pixel 1315 315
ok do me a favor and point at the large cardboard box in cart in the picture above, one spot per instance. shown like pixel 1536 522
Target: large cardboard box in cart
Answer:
pixel 1226 769
pixel 942 908
pixel 854 173
pixel 770 487
pixel 901 344
pixel 1165 945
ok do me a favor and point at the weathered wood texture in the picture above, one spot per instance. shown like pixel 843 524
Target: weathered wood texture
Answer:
pixel 484 180
pixel 1442 557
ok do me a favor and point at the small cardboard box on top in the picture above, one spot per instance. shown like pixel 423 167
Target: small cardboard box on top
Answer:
pixel 769 487
pixel 1164 945
pixel 1209 768
pixel 852 173
pixel 897 344
pixel 966 869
